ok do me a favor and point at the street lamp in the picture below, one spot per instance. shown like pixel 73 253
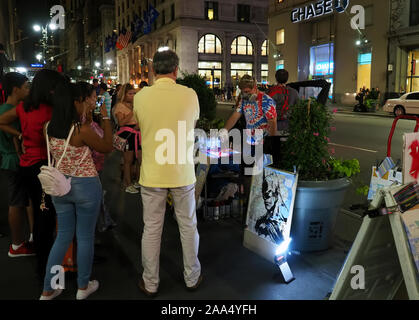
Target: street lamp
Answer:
pixel 44 40
pixel 79 68
pixel 109 62
pixel 97 64
pixel 39 57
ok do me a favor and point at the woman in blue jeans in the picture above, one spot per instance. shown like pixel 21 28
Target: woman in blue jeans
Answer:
pixel 77 211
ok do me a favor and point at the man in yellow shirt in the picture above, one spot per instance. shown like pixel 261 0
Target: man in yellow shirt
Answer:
pixel 166 114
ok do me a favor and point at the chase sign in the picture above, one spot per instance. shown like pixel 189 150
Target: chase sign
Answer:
pixel 318 9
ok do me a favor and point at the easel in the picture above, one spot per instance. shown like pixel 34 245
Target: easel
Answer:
pixel 381 248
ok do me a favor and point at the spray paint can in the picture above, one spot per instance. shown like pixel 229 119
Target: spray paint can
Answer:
pixel 210 211
pixel 222 210
pixel 235 207
pixel 227 209
pixel 217 211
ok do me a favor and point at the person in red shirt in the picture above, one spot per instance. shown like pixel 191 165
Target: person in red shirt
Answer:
pixel 33 114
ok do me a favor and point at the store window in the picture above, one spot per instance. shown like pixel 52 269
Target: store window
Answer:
pixel 265 73
pixel 280 64
pixel 364 69
pixel 210 44
pixel 414 12
pixel 280 36
pixel 238 70
pixel 211 10
pixel 212 72
pixel 242 46
pixel 322 63
pixel 413 72
pixel 265 48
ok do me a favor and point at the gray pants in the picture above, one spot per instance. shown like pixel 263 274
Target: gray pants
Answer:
pixel 154 208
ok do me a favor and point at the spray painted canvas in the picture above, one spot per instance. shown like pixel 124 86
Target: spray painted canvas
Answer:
pixel 271 204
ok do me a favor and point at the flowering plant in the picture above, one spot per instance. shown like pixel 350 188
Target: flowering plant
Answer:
pixel 307 147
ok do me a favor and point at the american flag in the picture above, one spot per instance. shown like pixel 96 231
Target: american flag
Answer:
pixel 124 39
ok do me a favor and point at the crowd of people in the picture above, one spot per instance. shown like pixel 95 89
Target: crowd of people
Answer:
pixel 74 125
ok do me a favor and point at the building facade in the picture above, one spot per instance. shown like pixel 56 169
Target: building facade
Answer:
pixel 88 22
pixel 403 74
pixel 10 35
pixel 220 40
pixel 315 40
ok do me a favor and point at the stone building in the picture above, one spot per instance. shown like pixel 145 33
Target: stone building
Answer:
pixel 221 40
pixel 88 22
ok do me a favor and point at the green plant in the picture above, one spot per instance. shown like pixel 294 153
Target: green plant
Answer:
pixel 307 147
pixel 207 101
pixel 207 125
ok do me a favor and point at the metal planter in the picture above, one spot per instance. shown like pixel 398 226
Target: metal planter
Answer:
pixel 316 207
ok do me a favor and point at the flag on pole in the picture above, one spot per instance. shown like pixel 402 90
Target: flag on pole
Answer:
pixel 153 13
pixel 108 44
pixel 147 23
pixel 150 17
pixel 114 40
pixel 136 28
pixel 124 39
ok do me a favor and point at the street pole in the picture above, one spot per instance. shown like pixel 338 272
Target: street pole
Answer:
pixel 412 72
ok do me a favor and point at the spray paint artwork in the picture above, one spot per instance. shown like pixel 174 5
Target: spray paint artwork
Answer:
pixel 271 204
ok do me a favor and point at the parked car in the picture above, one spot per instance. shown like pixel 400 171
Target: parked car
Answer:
pixel 406 104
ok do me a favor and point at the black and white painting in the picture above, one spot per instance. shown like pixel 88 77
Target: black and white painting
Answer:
pixel 271 204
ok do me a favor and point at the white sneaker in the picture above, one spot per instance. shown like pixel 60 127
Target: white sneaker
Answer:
pixel 136 185
pixel 92 287
pixel 131 189
pixel 53 296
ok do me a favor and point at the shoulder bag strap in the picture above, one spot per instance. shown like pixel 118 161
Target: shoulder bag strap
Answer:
pixel 65 148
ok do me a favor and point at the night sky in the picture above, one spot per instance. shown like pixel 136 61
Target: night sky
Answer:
pixel 30 13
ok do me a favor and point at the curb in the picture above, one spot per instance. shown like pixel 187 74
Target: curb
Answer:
pixel 366 114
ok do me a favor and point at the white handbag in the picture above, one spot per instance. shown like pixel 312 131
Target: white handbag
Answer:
pixel 52 180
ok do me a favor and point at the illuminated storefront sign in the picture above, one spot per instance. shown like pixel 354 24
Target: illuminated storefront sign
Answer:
pixel 324 68
pixel 318 9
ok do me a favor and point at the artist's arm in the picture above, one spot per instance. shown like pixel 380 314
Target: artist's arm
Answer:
pixel 231 122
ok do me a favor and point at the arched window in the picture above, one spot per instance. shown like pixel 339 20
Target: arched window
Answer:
pixel 242 46
pixel 265 48
pixel 210 43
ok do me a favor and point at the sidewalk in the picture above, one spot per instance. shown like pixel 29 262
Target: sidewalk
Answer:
pixel 231 272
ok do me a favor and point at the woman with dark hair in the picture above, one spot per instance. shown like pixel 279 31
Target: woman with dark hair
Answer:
pixel 33 114
pixel 77 212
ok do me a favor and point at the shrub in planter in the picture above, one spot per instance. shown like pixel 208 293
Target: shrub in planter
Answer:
pixel 206 96
pixel 307 146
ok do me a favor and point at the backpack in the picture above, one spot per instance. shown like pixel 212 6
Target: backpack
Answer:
pixel 281 91
pixel 53 182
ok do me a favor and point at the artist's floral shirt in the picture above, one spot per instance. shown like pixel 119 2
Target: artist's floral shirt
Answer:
pixel 257 114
